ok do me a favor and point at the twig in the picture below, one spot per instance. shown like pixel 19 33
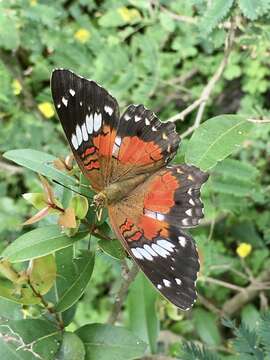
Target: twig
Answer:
pixel 207 91
pixel 183 18
pixel 11 169
pixel 209 305
pixel 250 292
pixel 259 121
pixel 50 309
pixel 121 295
pixel 223 283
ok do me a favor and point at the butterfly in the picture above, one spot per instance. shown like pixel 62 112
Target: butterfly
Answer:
pixel 125 158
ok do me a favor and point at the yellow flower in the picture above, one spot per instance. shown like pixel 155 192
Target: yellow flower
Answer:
pixel 16 87
pixel 82 35
pixel 33 2
pixel 243 250
pixel 128 15
pixel 47 109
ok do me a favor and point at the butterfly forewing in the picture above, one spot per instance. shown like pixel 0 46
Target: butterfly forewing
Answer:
pixel 89 116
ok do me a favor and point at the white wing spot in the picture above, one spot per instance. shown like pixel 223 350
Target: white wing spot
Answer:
pixel 80 103
pixel 74 141
pixel 189 212
pixel 166 282
pixel 160 250
pixel 89 123
pixel 167 245
pixel 150 250
pixel 64 101
pixel 84 133
pixel 159 286
pixel 185 222
pixel 182 241
pixel 189 192
pixel 178 281
pixel 172 268
pixel 58 106
pixel 191 201
pixel 160 217
pixel 137 118
pixel 154 128
pixel 108 109
pixel 79 134
pixel 127 117
pixel 136 254
pixel 72 92
pixel 147 121
pixel 118 140
pixel 144 253
pixel 97 121
pixel 150 213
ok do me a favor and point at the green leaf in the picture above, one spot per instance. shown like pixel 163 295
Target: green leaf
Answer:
pixel 216 139
pixel 39 162
pixel 264 331
pixel 32 339
pixel 252 9
pixel 39 242
pixel 9 35
pixel 237 169
pixel 250 316
pixel 72 348
pixel 80 205
pixel 84 265
pixel 216 11
pixel 143 319
pixel 43 273
pixel 112 248
pixel 206 327
pixel 108 342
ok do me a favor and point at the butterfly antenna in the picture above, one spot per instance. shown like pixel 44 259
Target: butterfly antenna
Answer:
pixel 77 192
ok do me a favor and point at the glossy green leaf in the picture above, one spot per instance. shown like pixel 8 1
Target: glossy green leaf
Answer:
pixel 84 265
pixel 43 273
pixel 206 327
pixel 39 242
pixel 108 342
pixel 143 319
pixel 216 139
pixel 72 348
pixel 33 339
pixel 40 162
pixel 112 248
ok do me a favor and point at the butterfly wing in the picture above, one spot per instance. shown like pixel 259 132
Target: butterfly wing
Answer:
pixel 89 116
pixel 109 149
pixel 150 225
pixel 143 144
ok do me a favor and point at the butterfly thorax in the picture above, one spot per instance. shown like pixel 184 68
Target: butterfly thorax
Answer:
pixel 116 191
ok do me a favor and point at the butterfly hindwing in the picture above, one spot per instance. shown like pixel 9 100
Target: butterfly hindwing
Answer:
pixel 149 223
pixel 89 116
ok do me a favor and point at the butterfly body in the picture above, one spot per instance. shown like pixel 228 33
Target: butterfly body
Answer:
pixel 126 160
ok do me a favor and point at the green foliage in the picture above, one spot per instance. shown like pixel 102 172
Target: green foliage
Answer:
pixel 55 296
pixel 39 242
pixel 216 139
pixel 104 342
pixel 216 12
pixel 143 320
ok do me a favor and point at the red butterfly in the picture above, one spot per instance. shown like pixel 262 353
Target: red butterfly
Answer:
pixel 125 159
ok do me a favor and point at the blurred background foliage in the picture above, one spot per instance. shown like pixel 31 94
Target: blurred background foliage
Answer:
pixel 161 54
